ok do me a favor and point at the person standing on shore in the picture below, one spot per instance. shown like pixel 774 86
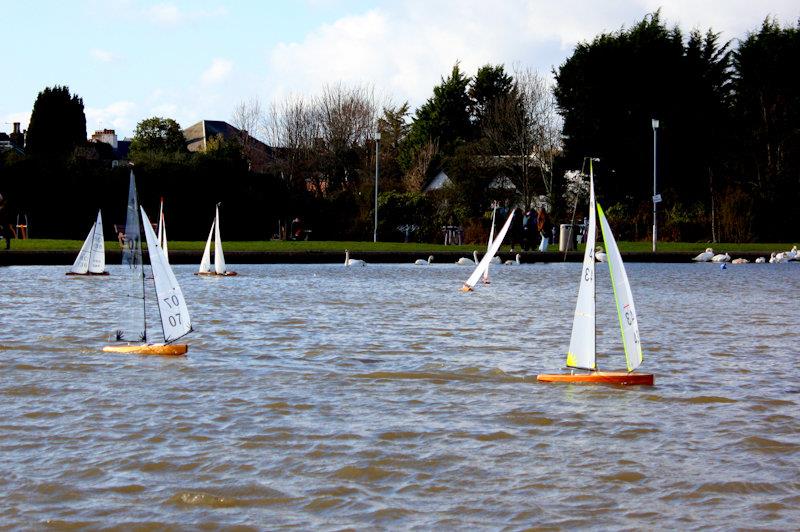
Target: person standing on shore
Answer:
pixel 5 222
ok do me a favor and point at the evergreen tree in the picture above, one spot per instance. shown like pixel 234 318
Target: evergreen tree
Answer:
pixel 157 136
pixel 57 125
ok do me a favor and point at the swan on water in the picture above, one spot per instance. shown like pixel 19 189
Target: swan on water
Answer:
pixel 422 262
pixel 792 253
pixel 464 261
pixel 512 262
pixel 722 257
pixel 599 254
pixel 352 262
pixel 761 260
pixel 704 256
pixel 739 261
pixel 777 258
pixel 496 260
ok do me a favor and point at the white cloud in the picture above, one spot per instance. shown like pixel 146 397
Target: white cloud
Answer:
pixel 104 56
pixel 219 70
pixel 171 14
pixel 119 116
pixel 405 49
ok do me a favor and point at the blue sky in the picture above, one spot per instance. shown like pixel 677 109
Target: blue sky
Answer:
pixel 190 60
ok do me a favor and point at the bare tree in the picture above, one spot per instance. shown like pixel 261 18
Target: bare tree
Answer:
pixel 291 127
pixel 523 134
pixel 418 172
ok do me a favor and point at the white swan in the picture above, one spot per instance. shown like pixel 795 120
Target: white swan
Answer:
pixel 600 255
pixel 421 262
pixel 761 260
pixel 464 261
pixel 704 256
pixel 496 260
pixel 721 257
pixel 513 262
pixel 792 253
pixel 777 258
pixel 352 262
pixel 739 261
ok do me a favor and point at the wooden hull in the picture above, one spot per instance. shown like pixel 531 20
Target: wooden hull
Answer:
pixel 600 377
pixel 226 274
pixel 87 273
pixel 149 349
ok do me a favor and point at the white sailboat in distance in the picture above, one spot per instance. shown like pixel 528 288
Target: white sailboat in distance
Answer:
pixel 91 258
pixel 219 258
pixel 582 354
pixel 173 314
pixel 483 265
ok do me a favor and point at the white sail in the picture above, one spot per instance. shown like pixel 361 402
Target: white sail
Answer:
pixel 205 262
pixel 133 327
pixel 219 258
pixel 626 312
pixel 484 263
pixel 162 231
pixel 581 353
pixel 489 245
pixel 81 264
pixel 97 257
pixel 171 304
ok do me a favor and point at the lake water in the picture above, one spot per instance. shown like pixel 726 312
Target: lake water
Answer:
pixel 321 397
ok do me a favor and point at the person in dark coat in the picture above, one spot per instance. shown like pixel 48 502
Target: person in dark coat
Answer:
pixel 545 227
pixel 529 230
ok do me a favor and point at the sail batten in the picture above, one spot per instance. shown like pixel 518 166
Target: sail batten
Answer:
pixel 623 298
pixel 582 349
pixel 483 265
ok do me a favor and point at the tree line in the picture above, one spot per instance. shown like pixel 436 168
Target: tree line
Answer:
pixel 727 145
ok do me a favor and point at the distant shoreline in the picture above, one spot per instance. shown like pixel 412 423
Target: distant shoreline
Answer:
pixel 66 258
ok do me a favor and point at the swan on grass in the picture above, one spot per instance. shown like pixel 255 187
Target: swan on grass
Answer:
pixel 464 261
pixel 705 256
pixel 512 262
pixel 600 255
pixel 352 262
pixel 422 262
pixel 721 257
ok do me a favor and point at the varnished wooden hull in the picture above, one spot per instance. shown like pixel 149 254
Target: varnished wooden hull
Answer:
pixel 600 377
pixel 149 349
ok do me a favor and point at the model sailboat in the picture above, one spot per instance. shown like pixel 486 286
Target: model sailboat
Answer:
pixel 489 246
pixel 582 353
pixel 91 259
pixel 219 258
pixel 162 231
pixel 174 316
pixel 483 265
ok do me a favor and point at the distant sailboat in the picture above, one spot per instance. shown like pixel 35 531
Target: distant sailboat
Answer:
pixel 91 259
pixel 582 353
pixel 175 320
pixel 483 265
pixel 219 258
pixel 162 231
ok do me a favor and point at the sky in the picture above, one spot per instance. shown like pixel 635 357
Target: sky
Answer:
pixel 192 60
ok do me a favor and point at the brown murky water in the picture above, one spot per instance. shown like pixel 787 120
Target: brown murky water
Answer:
pixel 323 397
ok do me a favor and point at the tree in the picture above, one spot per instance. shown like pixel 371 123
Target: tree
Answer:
pixel 489 85
pixel 157 136
pixel 443 119
pixel 393 127
pixel 767 111
pixel 57 125
pixel 246 118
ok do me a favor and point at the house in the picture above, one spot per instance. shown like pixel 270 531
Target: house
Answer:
pixel 14 141
pixel 258 154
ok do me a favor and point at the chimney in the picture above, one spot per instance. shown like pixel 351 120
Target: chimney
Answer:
pixel 16 127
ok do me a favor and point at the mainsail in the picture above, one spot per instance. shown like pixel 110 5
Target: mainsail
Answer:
pixel 97 258
pixel 81 264
pixel 219 258
pixel 133 327
pixel 581 353
pixel 175 319
pixel 626 312
pixel 484 263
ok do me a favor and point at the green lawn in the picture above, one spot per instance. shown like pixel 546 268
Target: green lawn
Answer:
pixel 335 246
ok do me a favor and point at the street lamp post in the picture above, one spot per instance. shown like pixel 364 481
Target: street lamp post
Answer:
pixel 656 197
pixel 377 169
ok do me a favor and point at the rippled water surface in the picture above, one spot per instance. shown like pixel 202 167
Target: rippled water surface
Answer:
pixel 323 397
